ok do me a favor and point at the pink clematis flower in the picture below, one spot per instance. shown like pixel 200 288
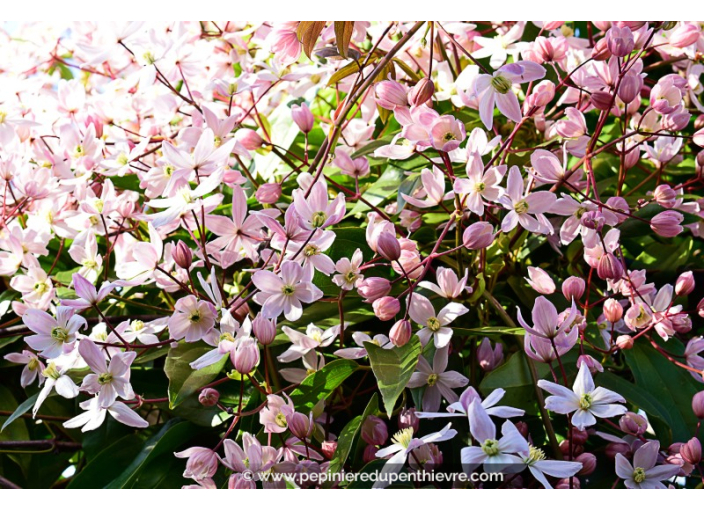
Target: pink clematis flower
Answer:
pixel 315 211
pixel 437 381
pixel 433 187
pixel 33 367
pixel 643 473
pixel 481 186
pixel 434 325
pixel 525 208
pixel 95 415
pixel 192 319
pixel 302 344
pixel 498 90
pixel 448 286
pixel 53 336
pixel 284 292
pixel 108 382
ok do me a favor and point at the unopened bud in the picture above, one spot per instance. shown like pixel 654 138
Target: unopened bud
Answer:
pixel 400 333
pixel 422 92
pixel 182 255
pixel 685 284
pixel 209 397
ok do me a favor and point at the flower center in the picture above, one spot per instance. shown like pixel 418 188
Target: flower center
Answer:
pixel 432 379
pixel 281 420
pixel 226 336
pixel 288 290
pixel 448 137
pixel 311 250
pixel 51 371
pixel 434 324
pixel 501 84
pixel 319 219
pixel 479 187
pixel 105 378
pixel 491 447
pixel 639 475
pixel 137 325
pixel 59 334
pixel 41 287
pixel 33 364
pixel 521 207
pixel 195 317
pixel 535 455
pixel 350 277
pixel 403 437
pixel 585 402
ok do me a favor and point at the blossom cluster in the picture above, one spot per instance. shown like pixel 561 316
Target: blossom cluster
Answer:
pixel 309 247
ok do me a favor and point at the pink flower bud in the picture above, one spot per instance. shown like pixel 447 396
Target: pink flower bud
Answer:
pixel 542 94
pixel 328 448
pixel 374 431
pixel 601 50
pixel 698 138
pixel 691 451
pixel 601 100
pixel 209 397
pixel 373 288
pixel 264 329
pixel 624 342
pixel 369 453
pixel 676 120
pixel 579 436
pixel 630 87
pixel 685 284
pixel 489 358
pixel 681 323
pixel 613 449
pixel 408 419
pixel 386 308
pixel 245 356
pixel 632 423
pixel 573 288
pixel 478 235
pixel 573 125
pixel 97 124
pixel 390 94
pixel 268 193
pixel 249 139
pixel 388 246
pixel 613 311
pixel 540 281
pixel 665 196
pixel 588 461
pixel 620 41
pixel 202 463
pixel 400 333
pixel 700 308
pixel 685 35
pixel 182 255
pixel 522 428
pixel 609 267
pixel 303 117
pixel 667 223
pixel 593 365
pixel 570 450
pixel 300 425
pixel 566 484
pixel 698 405
pixel 422 92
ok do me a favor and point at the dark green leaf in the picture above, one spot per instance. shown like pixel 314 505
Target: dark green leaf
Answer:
pixel 393 369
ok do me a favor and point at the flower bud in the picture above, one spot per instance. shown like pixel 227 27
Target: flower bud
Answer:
pixel 245 356
pixel 388 246
pixel 579 436
pixel 489 358
pixel 369 453
pixel 630 87
pixel 386 308
pixel 249 139
pixel 700 308
pixel 601 50
pixel 698 405
pixel 667 223
pixel 390 94
pixel 698 138
pixel 522 428
pixel 303 117
pixel 620 41
pixel 400 333
pixel 478 235
pixel 573 288
pixel 681 323
pixel 665 196
pixel 182 255
pixel 601 100
pixel 209 397
pixel 625 342
pixel 588 461
pixel 300 425
pixel 238 481
pixel 570 450
pixel 408 419
pixel 685 284
pixel 374 431
pixel 609 267
pixel 593 365
pixel 685 35
pixel 373 288
pixel 268 193
pixel 422 92
pixel 542 94
pixel 691 451
pixel 328 448
pixel 202 462
pixel 613 311
pixel 613 449
pixel 632 423
pixel 264 329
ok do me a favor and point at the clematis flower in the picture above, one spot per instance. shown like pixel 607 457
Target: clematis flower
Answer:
pixel 481 186
pixel 437 382
pixel 539 466
pixel 87 293
pixel 404 444
pixel 349 275
pixel 497 90
pixel 108 382
pixel 422 312
pixel 314 210
pixel 202 462
pixel 447 133
pixel 192 319
pixel 94 416
pixel 586 401
pixel 33 367
pixel 360 339
pixel 448 286
pixel 643 473
pixel 470 395
pixel 433 188
pixel 55 379
pixel 302 344
pixel 251 456
pixel 525 208
pixel 53 336
pixel 284 292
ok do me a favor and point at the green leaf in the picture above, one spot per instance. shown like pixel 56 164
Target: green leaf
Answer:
pixel 667 383
pixel 113 459
pixel 183 380
pixel 514 377
pixel 349 432
pixel 490 331
pixel 321 384
pixel 171 436
pixel 23 408
pixel 393 369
